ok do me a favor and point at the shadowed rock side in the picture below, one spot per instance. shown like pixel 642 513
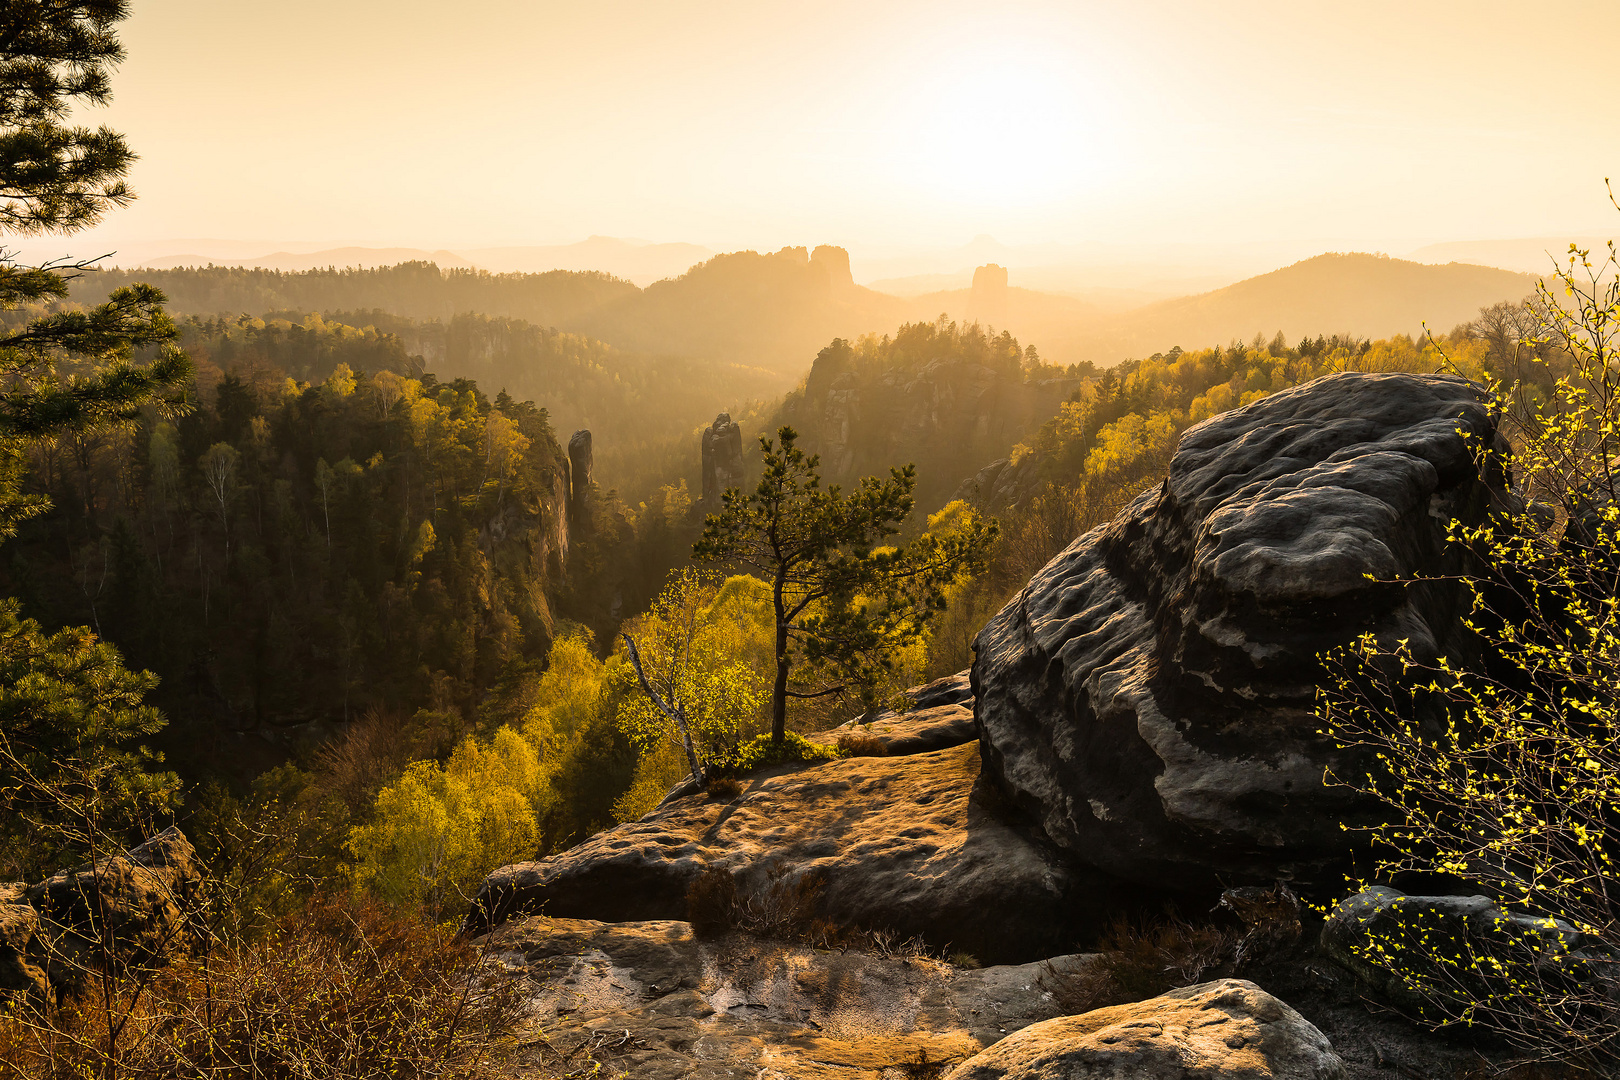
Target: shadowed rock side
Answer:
pixel 722 459
pixel 916 845
pixel 1148 696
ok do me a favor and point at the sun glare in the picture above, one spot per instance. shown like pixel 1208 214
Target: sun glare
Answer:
pixel 1001 132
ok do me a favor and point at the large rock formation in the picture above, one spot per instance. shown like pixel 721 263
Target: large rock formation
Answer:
pixel 948 414
pixel 1148 696
pixel 1226 1030
pixel 722 459
pixel 915 845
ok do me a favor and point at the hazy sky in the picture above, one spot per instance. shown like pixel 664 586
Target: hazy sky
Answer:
pixel 870 124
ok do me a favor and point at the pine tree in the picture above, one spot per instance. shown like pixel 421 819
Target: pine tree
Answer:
pixel 843 605
pixel 68 370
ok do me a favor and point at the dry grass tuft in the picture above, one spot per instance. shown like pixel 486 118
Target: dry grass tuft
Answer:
pixel 724 788
pixel 862 744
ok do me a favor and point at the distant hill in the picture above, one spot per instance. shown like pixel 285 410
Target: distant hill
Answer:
pixel 416 290
pixel 774 310
pixel 1531 255
pixel 343 257
pixel 1364 295
pixel 642 264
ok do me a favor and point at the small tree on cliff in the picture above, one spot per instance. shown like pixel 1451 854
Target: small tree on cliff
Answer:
pixel 843 605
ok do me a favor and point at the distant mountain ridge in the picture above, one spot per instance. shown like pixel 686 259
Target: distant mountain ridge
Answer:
pixel 776 310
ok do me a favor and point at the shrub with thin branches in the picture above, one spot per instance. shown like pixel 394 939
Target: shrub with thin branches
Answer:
pixel 342 990
pixel 1505 773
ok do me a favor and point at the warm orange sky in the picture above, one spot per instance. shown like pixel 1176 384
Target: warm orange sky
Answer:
pixel 870 124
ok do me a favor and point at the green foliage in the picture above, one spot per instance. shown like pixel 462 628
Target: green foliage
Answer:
pixel 841 605
pixel 1502 771
pixel 55 178
pixel 72 726
pixel 701 647
pixel 439 830
pixel 291 552
pixel 434 833
pixel 767 751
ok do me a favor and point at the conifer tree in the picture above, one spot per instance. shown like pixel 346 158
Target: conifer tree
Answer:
pixel 68 370
pixel 68 706
pixel 844 606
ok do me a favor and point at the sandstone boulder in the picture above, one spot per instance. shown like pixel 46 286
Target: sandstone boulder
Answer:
pixel 946 690
pixel 22 949
pixel 133 908
pixel 1226 1030
pixel 915 845
pixel 1148 696
pixel 914 732
pixel 651 1000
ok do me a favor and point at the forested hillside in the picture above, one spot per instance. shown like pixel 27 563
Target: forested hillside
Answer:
pixel 945 396
pixel 767 310
pixel 292 555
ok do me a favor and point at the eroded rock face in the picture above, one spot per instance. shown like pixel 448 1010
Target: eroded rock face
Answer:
pixel 580 465
pixel 680 1007
pixel 722 458
pixel 916 845
pixel 1226 1030
pixel 1148 697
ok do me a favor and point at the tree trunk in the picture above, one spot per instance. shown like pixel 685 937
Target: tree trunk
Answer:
pixel 779 690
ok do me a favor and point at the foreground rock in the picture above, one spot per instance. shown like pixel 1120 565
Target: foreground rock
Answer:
pixel 1148 697
pixel 1450 952
pixel 1226 1030
pixel 914 732
pixel 649 1000
pixel 134 908
pixel 914 845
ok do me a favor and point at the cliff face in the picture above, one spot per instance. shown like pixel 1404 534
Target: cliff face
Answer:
pixel 948 415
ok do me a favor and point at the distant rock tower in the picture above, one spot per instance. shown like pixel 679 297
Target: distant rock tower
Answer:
pixel 988 303
pixel 579 476
pixel 836 262
pixel 722 459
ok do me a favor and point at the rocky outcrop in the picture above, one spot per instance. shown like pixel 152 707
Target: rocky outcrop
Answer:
pixel 722 459
pixel 1226 1030
pixel 134 908
pixel 914 732
pixel 1446 953
pixel 22 947
pixel 914 845
pixel 1003 484
pixel 674 1007
pixel 987 303
pixel 579 475
pixel 1148 696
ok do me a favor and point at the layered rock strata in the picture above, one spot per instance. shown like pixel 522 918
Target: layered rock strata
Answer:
pixel 1148 697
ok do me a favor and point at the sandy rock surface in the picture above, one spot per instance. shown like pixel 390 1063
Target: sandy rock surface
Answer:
pixel 649 1000
pixel 915 732
pixel 917 845
pixel 1148 696
pixel 1226 1030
